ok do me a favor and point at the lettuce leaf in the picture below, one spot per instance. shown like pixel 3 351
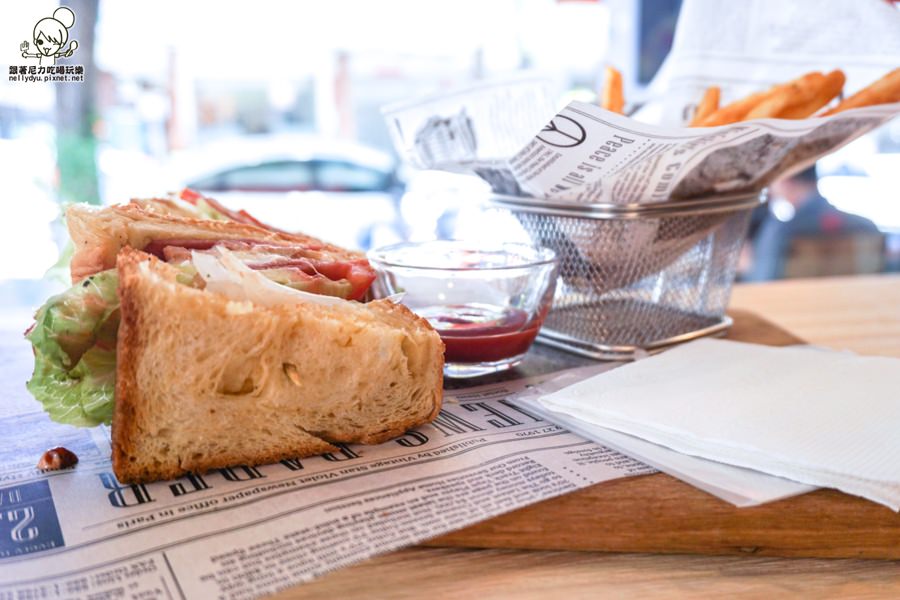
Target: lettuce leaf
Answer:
pixel 209 212
pixel 74 341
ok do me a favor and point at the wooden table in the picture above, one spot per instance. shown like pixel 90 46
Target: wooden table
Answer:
pixel 859 314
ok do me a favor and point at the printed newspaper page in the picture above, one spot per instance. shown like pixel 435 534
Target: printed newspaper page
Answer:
pixel 242 532
pixel 587 154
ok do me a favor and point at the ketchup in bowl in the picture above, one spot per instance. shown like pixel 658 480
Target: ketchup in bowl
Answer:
pixel 486 300
pixel 474 333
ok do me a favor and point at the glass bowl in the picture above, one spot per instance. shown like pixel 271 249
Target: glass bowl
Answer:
pixel 486 301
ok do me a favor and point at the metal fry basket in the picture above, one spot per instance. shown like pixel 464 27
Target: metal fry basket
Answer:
pixel 634 278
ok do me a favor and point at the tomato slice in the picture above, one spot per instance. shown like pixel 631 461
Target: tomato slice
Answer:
pixel 189 195
pixel 360 277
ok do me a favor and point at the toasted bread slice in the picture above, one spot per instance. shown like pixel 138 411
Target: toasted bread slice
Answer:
pixel 99 234
pixel 205 382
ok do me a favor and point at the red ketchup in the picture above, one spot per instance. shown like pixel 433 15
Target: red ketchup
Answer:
pixel 475 333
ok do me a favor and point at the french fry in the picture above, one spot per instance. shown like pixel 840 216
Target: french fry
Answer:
pixel 799 91
pixel 734 112
pixel 741 109
pixel 830 88
pixel 708 104
pixel 883 91
pixel 612 97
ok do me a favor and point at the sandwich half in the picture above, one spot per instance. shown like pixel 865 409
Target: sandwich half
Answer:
pixel 210 343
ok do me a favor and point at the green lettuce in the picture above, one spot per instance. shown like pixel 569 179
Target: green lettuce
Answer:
pixel 74 341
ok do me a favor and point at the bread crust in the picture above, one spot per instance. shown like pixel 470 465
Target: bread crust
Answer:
pixel 127 395
pixel 145 284
pixel 436 351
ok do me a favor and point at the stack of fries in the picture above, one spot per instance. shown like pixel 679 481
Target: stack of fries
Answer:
pixel 797 99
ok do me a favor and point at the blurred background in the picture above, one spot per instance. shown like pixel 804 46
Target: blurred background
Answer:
pixel 274 107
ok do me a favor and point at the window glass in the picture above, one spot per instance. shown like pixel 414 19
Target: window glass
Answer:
pixel 271 176
pixel 341 176
pixel 209 184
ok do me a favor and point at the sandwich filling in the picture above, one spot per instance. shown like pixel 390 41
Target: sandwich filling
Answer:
pixel 301 267
pixel 74 333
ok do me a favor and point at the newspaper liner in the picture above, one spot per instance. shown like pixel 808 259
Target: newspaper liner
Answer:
pixel 244 532
pixel 586 154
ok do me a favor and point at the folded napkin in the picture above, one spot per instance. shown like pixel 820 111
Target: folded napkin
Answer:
pixel 829 419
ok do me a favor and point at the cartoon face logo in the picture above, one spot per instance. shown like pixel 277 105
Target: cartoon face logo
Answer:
pixel 50 37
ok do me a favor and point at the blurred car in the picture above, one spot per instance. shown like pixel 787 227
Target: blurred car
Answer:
pixel 340 191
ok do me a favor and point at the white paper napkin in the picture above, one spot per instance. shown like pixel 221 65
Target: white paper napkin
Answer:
pixel 739 486
pixel 830 419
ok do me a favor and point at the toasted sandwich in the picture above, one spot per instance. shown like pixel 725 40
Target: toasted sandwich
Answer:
pixel 209 340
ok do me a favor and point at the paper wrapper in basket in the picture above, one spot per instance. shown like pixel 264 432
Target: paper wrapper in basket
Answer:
pixel 755 164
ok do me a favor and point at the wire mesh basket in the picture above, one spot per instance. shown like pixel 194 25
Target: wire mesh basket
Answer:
pixel 634 278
